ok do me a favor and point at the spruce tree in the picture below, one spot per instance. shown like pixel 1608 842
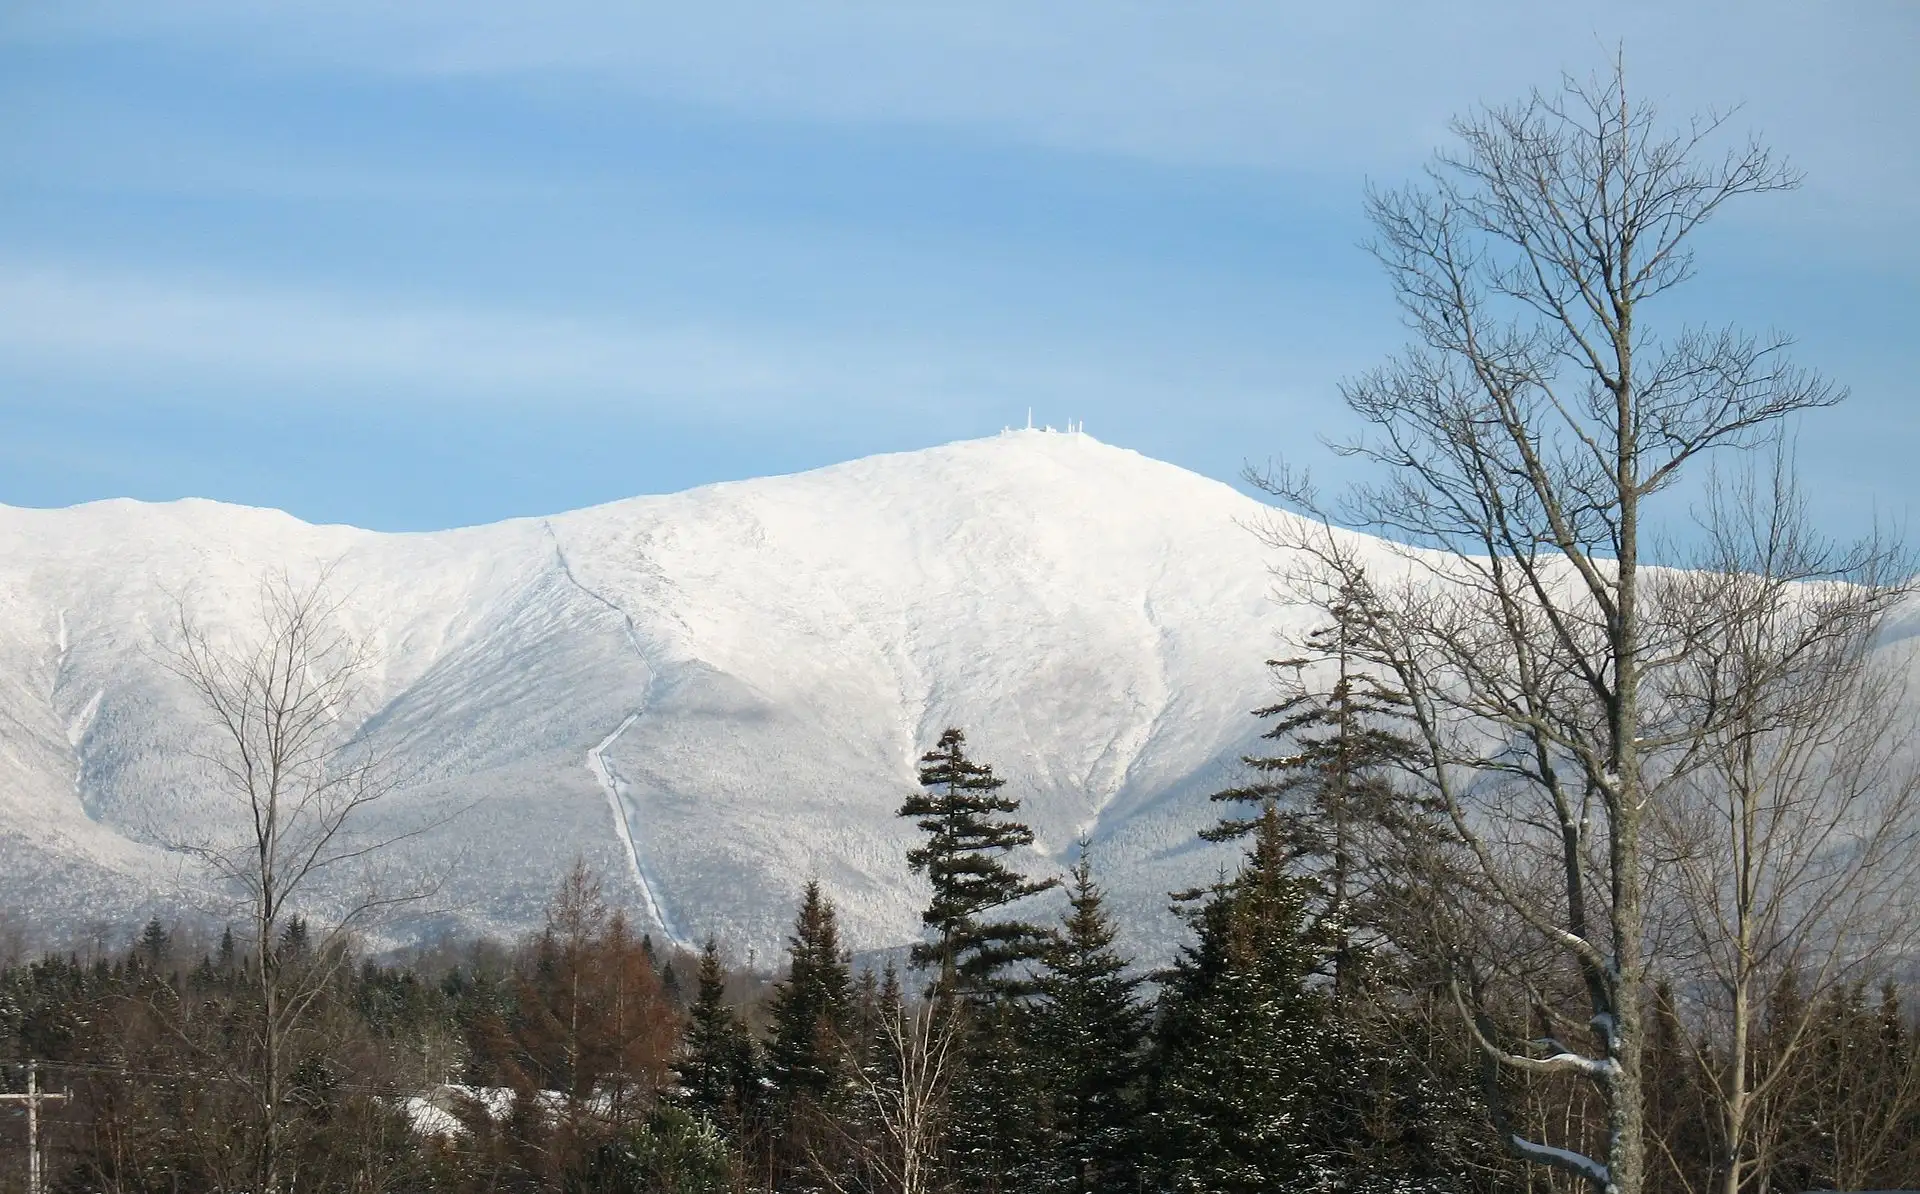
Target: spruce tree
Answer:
pixel 812 1009
pixel 295 940
pixel 866 1003
pixel 1088 1031
pixel 993 1130
pixel 1344 819
pixel 718 1070
pixel 812 1020
pixel 1332 811
pixel 968 835
pixel 1240 1038
pixel 155 942
pixel 996 1103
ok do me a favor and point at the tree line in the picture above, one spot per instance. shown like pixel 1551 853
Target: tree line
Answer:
pixel 1299 1041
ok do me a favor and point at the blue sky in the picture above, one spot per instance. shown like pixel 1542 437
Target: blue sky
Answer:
pixel 425 264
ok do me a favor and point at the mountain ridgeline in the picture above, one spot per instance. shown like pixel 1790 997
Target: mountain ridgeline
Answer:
pixel 710 696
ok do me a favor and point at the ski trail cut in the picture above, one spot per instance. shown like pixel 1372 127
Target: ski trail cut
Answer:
pixel 83 720
pixel 610 781
pixel 616 790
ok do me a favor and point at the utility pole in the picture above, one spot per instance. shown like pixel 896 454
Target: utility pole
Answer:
pixel 33 1098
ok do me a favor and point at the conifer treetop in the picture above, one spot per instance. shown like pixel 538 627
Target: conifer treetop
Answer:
pixel 968 833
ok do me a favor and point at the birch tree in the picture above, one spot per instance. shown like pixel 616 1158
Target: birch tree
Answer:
pixel 901 1099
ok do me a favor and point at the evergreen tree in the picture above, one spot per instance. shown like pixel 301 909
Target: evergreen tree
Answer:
pixel 1388 1113
pixel 812 1009
pixel 295 940
pixel 968 834
pixel 1335 787
pixel 812 1021
pixel 155 942
pixel 995 1130
pixel 669 1153
pixel 1675 1086
pixel 1240 1038
pixel 1397 1107
pixel 893 999
pixel 866 1012
pixel 718 1069
pixel 1088 1031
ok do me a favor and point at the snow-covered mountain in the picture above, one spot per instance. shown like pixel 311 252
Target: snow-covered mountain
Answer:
pixel 710 696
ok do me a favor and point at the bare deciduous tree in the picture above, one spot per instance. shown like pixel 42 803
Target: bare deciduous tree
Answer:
pixel 903 1100
pixel 1791 852
pixel 1525 437
pixel 295 778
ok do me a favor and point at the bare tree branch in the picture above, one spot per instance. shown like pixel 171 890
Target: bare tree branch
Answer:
pixel 283 698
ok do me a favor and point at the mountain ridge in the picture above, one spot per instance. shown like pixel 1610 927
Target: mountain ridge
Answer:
pixel 710 695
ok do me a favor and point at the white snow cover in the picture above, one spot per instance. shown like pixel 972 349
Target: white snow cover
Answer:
pixel 711 696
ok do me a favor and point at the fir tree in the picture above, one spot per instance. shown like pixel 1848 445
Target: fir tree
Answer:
pixel 994 1129
pixel 718 1069
pixel 968 835
pixel 669 1153
pixel 1088 1030
pixel 1396 1109
pixel 870 1020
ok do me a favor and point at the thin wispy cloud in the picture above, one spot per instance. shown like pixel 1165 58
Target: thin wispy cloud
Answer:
pixel 91 321
pixel 131 148
pixel 1303 86
pixel 99 320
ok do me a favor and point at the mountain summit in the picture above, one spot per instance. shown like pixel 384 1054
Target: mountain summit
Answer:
pixel 711 695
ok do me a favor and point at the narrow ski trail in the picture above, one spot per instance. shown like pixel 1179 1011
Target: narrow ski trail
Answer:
pixel 602 769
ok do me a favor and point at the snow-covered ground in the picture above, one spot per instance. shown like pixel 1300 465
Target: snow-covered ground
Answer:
pixel 711 696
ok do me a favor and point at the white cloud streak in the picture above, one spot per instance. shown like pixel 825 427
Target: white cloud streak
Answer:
pixel 213 334
pixel 104 321
pixel 1365 85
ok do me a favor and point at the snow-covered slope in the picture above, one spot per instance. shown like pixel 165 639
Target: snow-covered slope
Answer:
pixel 710 695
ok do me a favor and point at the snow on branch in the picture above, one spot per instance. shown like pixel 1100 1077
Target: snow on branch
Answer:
pixel 1600 1068
pixel 1563 1159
